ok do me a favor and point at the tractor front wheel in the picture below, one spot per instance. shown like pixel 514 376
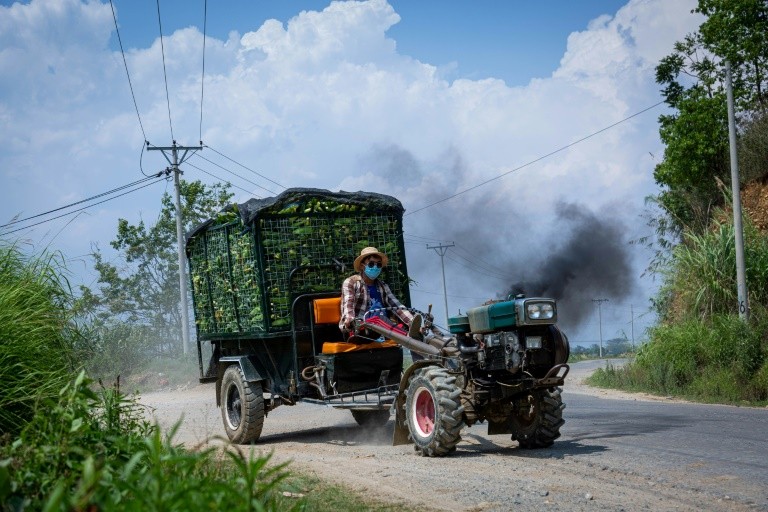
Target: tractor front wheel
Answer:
pixel 537 418
pixel 433 412
pixel 242 407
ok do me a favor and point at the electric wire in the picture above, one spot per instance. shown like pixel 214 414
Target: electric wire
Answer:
pixel 474 269
pixel 488 270
pixel 424 238
pixel 165 74
pixel 222 180
pixel 84 208
pixel 117 189
pixel 563 148
pixel 202 79
pixel 235 174
pixel 475 259
pixel 125 63
pixel 245 167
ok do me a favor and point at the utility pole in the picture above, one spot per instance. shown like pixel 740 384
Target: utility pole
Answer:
pixel 441 250
pixel 600 317
pixel 632 311
pixel 741 279
pixel 174 160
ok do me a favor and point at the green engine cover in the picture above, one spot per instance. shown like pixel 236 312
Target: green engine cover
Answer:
pixel 485 319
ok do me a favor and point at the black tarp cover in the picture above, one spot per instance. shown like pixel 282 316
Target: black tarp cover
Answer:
pixel 255 208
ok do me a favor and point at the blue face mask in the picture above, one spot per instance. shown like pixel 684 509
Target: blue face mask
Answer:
pixel 372 272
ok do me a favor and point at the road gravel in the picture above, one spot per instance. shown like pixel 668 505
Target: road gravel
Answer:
pixel 618 451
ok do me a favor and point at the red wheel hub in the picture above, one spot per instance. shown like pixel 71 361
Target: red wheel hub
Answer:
pixel 424 412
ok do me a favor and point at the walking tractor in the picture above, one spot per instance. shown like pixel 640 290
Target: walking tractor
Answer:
pixel 266 278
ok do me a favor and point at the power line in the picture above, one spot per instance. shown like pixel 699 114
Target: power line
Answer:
pixel 202 79
pixel 222 180
pixel 125 63
pixel 495 276
pixel 235 174
pixel 485 265
pixel 16 221
pixel 563 148
pixel 424 238
pixel 83 208
pixel 165 74
pixel 245 167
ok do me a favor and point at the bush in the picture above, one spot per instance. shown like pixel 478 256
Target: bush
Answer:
pixel 723 359
pixel 115 349
pixel 94 451
pixel 36 333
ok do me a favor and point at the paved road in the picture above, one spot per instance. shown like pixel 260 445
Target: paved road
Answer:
pixel 721 448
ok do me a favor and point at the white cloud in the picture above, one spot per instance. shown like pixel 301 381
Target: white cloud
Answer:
pixel 326 100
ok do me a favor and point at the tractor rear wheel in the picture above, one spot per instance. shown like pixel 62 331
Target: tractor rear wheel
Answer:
pixel 433 412
pixel 242 407
pixel 537 418
pixel 371 418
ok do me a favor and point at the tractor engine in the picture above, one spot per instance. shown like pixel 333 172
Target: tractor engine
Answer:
pixel 511 337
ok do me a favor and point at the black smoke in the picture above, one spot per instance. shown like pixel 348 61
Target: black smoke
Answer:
pixel 560 250
pixel 589 260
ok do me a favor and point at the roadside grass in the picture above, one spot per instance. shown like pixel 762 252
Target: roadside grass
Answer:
pixel 320 496
pixel 717 360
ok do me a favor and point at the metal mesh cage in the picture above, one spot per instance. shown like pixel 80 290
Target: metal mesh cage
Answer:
pixel 246 275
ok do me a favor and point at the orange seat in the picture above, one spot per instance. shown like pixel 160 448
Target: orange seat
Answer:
pixel 328 311
pixel 341 347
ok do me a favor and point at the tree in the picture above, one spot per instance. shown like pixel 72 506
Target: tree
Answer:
pixel 142 293
pixel 692 80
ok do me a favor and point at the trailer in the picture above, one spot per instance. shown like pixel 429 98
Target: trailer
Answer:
pixel 265 278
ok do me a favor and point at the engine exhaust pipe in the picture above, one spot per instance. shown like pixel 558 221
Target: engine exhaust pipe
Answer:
pixel 406 341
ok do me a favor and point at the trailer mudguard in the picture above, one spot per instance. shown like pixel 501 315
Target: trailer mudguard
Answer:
pixel 250 372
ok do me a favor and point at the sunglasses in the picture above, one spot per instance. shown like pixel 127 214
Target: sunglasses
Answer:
pixel 372 264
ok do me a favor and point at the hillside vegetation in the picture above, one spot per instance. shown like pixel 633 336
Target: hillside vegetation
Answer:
pixel 701 348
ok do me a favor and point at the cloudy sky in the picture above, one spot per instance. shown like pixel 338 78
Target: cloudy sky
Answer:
pixel 454 107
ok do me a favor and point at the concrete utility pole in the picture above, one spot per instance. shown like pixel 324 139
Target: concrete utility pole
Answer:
pixel 741 279
pixel 174 160
pixel 632 312
pixel 441 250
pixel 600 320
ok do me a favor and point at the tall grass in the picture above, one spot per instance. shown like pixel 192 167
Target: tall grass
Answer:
pixel 36 332
pixel 703 270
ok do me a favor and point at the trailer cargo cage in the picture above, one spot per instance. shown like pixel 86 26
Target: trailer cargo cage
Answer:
pixel 249 263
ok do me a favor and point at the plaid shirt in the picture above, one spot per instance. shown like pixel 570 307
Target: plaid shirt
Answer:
pixel 355 300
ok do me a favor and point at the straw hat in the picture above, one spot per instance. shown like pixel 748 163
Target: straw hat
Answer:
pixel 370 251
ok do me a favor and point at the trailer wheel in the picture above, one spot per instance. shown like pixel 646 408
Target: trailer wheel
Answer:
pixel 371 418
pixel 242 407
pixel 537 419
pixel 433 412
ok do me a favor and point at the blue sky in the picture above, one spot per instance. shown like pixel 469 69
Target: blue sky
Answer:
pixel 421 100
pixel 511 40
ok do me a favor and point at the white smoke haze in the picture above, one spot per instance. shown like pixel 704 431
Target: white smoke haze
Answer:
pixel 327 100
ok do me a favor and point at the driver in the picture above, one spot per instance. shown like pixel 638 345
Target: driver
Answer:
pixel 364 291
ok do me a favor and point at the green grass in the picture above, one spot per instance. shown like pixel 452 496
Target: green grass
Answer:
pixel 36 332
pixel 719 360
pixel 320 496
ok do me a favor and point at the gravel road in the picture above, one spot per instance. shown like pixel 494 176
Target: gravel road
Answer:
pixel 618 451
